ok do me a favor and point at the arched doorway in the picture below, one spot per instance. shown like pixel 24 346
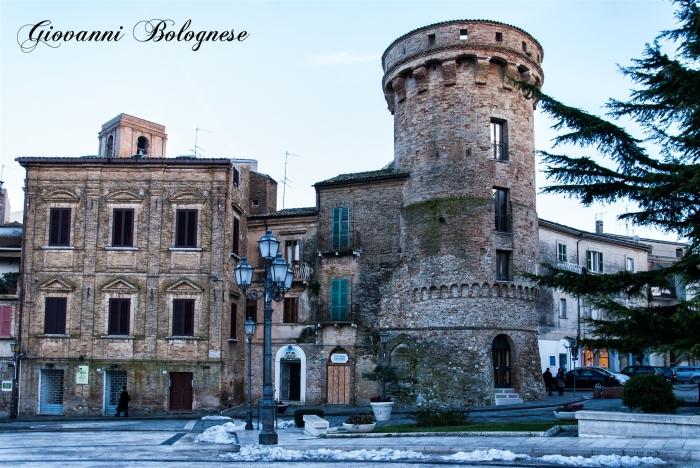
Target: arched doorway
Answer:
pixel 339 378
pixel 290 374
pixel 501 361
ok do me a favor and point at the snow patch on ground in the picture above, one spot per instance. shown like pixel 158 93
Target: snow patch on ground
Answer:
pixel 214 417
pixel 269 454
pixel 485 455
pixel 285 424
pixel 603 460
pixel 219 434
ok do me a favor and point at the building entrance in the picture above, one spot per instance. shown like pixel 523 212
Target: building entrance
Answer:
pixel 290 381
pixel 181 392
pixel 114 381
pixel 501 361
pixel 51 392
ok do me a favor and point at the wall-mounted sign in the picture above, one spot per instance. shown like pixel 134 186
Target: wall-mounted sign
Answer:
pixel 290 355
pixel 339 358
pixel 213 353
pixel 7 385
pixel 81 377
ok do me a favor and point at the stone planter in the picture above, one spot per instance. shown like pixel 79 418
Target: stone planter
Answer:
pixel 609 424
pixel 359 427
pixel 382 410
pixel 565 415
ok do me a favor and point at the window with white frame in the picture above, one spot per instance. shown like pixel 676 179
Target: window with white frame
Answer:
pixel 630 264
pixel 594 261
pixel 562 308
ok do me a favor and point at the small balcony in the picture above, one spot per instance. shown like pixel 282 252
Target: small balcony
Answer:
pixel 340 242
pixel 500 151
pixel 327 314
pixel 302 271
pixel 572 267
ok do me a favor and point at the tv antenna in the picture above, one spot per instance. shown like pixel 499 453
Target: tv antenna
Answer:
pixel 286 181
pixel 196 134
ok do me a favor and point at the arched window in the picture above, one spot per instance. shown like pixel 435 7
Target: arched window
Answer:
pixel 110 146
pixel 142 146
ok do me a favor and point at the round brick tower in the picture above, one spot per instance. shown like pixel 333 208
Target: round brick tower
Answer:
pixel 462 319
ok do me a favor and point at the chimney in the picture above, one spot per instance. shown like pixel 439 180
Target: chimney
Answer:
pixel 599 227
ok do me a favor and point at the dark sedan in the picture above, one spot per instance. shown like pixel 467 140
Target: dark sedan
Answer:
pixel 590 378
pixel 668 373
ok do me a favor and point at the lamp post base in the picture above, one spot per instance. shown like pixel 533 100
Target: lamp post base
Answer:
pixel 268 438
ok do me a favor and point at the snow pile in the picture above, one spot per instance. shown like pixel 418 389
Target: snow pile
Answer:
pixel 214 417
pixel 485 455
pixel 603 460
pixel 219 434
pixel 285 424
pixel 270 454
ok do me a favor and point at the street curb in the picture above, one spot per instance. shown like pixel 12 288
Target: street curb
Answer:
pixel 548 433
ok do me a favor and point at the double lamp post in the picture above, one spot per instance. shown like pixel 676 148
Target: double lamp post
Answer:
pixel 277 280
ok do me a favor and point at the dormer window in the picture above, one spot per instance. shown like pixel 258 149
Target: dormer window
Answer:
pixel 524 46
pixel 110 147
pixel 431 39
pixel 463 34
pixel 142 146
pixel 499 37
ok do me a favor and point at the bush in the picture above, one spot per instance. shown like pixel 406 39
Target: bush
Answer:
pixel 651 394
pixel 299 415
pixel 357 419
pixel 436 418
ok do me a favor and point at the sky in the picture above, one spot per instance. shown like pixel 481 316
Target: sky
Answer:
pixel 305 80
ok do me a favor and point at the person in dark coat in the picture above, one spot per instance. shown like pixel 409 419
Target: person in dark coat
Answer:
pixel 548 380
pixel 561 381
pixel 123 405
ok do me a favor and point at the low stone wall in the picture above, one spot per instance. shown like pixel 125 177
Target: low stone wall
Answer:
pixel 608 424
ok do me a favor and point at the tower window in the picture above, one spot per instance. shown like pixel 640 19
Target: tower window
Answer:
pixel 498 140
pixel 463 35
pixel 142 146
pixel 524 46
pixel 499 37
pixel 431 39
pixel 110 146
pixel 236 177
pixel 502 209
pixel 503 265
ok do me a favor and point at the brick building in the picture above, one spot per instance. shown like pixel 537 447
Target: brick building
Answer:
pixel 129 255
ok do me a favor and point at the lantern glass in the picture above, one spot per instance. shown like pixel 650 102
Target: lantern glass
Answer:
pixel 244 273
pixel 288 279
pixel 278 270
pixel 384 337
pixel 14 346
pixel 249 326
pixel 269 245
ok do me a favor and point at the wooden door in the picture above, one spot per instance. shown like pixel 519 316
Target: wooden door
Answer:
pixel 501 362
pixel 181 392
pixel 338 385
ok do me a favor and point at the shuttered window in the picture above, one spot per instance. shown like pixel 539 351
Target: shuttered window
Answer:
pixel 341 228
pixel 55 316
pixel 183 317
pixel 186 228
pixel 59 227
pixel 122 227
pixel 5 321
pixel 119 311
pixel 291 310
pixel 339 299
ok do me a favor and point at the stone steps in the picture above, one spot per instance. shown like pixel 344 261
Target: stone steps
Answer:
pixel 507 396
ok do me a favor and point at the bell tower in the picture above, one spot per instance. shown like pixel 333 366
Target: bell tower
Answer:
pixel 126 136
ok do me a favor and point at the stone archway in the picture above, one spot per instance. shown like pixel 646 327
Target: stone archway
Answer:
pixel 290 374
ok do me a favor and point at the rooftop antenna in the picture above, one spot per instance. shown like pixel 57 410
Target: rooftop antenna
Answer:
pixel 196 134
pixel 286 181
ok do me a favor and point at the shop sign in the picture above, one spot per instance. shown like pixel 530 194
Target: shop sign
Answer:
pixel 82 377
pixel 339 359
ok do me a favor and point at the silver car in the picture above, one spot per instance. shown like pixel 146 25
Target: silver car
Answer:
pixel 622 378
pixel 688 373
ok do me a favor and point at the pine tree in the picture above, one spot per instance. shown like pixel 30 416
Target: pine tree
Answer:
pixel 659 173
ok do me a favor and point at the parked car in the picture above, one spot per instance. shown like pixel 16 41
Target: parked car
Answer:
pixel 688 374
pixel 622 378
pixel 587 377
pixel 668 373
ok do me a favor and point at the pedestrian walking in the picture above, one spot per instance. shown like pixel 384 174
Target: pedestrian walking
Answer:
pixel 561 381
pixel 123 405
pixel 548 379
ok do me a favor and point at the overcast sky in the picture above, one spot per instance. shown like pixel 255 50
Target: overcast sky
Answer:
pixel 307 80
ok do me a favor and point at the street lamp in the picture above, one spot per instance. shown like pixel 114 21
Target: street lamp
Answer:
pixel 276 281
pixel 249 326
pixel 16 356
pixel 384 339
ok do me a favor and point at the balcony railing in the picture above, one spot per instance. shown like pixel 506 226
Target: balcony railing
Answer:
pixel 342 241
pixel 345 313
pixel 500 151
pixel 572 267
pixel 302 271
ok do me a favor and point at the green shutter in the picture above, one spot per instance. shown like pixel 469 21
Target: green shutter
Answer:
pixel 339 299
pixel 589 260
pixel 341 228
pixel 600 260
